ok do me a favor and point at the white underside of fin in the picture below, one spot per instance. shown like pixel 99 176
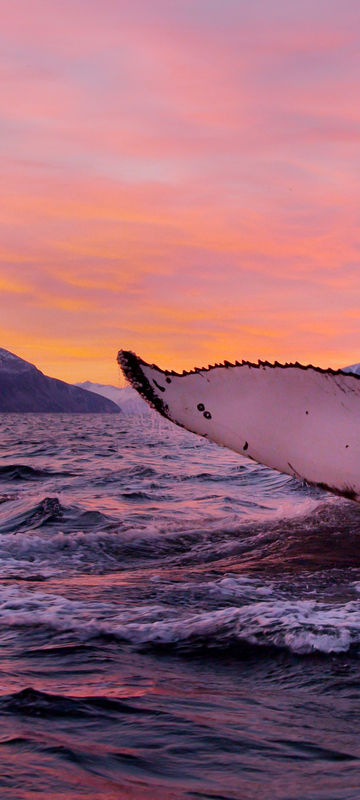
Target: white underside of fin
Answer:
pixel 302 421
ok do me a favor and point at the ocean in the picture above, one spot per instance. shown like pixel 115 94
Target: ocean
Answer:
pixel 175 620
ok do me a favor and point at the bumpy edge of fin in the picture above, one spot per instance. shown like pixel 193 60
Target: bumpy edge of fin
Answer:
pixel 131 362
pixel 131 365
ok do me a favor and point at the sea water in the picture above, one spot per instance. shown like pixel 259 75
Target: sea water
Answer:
pixel 175 620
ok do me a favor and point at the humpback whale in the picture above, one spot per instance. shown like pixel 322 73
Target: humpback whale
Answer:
pixel 296 419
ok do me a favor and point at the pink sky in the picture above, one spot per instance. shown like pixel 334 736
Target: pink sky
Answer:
pixel 179 178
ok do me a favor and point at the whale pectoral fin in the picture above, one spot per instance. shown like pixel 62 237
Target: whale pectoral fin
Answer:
pixel 301 420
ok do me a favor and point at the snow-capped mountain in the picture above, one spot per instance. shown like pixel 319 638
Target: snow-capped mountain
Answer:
pixel 24 388
pixel 125 397
pixel 354 368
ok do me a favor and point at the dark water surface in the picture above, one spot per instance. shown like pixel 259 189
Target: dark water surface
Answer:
pixel 175 621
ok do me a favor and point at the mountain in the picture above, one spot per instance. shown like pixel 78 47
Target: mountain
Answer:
pixel 354 368
pixel 126 398
pixel 24 388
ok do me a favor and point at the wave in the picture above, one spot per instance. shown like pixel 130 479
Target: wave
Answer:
pixel 49 511
pixel 137 495
pixel 22 472
pixel 125 475
pixel 34 703
pixel 28 553
pixel 301 627
pixel 49 534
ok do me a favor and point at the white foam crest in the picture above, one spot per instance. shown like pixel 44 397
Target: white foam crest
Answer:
pixel 302 627
pixel 22 549
pixel 79 548
pixel 240 586
pixel 20 607
pixel 26 551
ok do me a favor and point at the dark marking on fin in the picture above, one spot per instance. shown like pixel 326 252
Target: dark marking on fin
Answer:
pixel 162 388
pixel 168 380
pixel 207 415
pixel 245 446
pixel 200 407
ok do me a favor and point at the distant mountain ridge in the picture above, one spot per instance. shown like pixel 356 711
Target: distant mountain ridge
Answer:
pixel 24 388
pixel 128 400
pixel 355 368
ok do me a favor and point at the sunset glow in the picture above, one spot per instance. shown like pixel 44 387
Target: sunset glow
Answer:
pixel 180 179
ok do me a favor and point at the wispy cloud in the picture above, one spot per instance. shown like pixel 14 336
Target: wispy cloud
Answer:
pixel 179 178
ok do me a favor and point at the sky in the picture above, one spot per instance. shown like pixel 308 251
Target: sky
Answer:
pixel 180 178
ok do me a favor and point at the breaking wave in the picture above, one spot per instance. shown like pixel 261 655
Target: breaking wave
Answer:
pixel 261 619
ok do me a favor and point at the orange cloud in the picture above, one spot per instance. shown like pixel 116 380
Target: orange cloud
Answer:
pixel 180 180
